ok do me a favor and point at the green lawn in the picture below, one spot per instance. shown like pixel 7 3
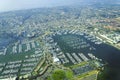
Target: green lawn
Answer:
pixel 61 75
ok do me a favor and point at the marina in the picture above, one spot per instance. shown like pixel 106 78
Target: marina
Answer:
pixel 89 45
pixel 27 56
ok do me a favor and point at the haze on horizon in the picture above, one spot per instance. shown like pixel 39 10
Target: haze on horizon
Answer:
pixel 10 5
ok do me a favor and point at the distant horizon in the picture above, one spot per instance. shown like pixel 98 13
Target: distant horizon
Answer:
pixel 13 5
pixel 30 9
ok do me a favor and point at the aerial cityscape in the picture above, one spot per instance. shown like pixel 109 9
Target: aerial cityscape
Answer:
pixel 79 41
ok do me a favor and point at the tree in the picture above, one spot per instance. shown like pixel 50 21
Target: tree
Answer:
pixel 58 75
